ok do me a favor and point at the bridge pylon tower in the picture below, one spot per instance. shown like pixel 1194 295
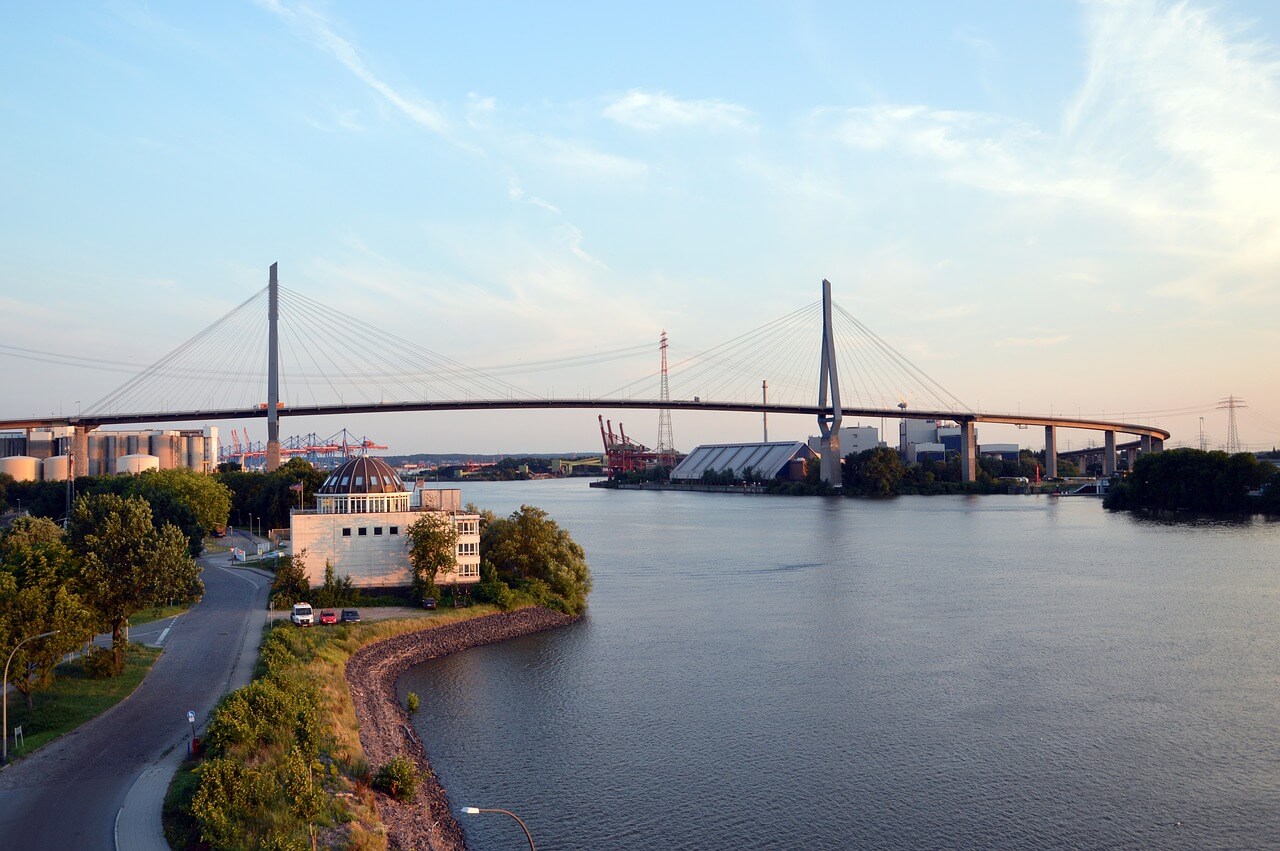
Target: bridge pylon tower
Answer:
pixel 273 372
pixel 829 384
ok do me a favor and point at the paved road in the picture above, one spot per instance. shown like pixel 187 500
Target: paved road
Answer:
pixel 67 795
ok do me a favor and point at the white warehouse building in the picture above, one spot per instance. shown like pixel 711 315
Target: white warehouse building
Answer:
pixel 360 526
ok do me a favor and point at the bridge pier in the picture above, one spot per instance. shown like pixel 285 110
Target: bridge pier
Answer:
pixel 829 382
pixel 80 451
pixel 1130 455
pixel 1050 452
pixel 1109 453
pixel 968 453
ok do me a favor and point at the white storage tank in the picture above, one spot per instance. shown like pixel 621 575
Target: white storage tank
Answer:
pixel 137 463
pixel 23 468
pixel 56 469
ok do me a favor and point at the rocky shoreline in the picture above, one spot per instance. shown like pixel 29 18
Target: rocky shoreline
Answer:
pixel 385 730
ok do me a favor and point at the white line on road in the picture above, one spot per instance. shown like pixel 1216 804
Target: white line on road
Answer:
pixel 163 634
pixel 238 575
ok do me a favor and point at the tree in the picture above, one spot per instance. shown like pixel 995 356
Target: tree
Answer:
pixel 433 549
pixel 530 547
pixel 1190 480
pixel 291 584
pixel 37 596
pixel 873 472
pixel 126 564
pixel 207 498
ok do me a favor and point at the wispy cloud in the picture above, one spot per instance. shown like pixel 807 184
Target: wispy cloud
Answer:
pixel 1033 342
pixel 652 111
pixel 419 110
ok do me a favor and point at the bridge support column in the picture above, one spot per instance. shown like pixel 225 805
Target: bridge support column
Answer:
pixel 968 453
pixel 1157 444
pixel 273 373
pixel 1130 455
pixel 80 451
pixel 829 382
pixel 1050 452
pixel 1109 453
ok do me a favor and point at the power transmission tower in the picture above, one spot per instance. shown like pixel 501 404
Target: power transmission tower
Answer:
pixel 666 449
pixel 1230 404
pixel 1202 442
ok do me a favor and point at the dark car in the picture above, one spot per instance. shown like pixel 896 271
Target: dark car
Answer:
pixel 328 616
pixel 429 603
pixel 350 616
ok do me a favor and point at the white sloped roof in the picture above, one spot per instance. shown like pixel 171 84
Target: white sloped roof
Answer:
pixel 768 459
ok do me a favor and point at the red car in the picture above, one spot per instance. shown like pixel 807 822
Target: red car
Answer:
pixel 328 616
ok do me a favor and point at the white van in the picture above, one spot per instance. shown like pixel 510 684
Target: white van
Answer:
pixel 302 614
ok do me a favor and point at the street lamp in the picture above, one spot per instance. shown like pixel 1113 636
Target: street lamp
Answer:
pixel 4 687
pixel 472 811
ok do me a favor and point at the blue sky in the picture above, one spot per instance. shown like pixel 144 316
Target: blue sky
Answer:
pixel 1046 206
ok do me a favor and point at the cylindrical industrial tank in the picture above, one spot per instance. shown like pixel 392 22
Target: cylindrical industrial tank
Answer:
pixel 131 445
pixel 195 452
pixel 137 463
pixel 164 447
pixel 23 468
pixel 109 453
pixel 40 445
pixel 97 455
pixel 56 469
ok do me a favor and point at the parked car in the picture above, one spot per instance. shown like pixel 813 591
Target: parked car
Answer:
pixel 328 616
pixel 302 614
pixel 350 616
pixel 429 603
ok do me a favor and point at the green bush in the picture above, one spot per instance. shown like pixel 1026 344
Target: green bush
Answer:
pixel 413 701
pixel 101 664
pixel 398 778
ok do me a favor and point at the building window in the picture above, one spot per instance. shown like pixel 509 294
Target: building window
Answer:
pixel 377 530
pixel 394 530
pixel 359 481
pixel 345 479
pixel 364 531
pixel 346 532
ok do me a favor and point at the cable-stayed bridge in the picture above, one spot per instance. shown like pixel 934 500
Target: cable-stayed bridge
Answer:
pixel 818 360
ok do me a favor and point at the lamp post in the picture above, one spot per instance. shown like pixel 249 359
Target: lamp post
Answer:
pixel 4 688
pixel 191 719
pixel 472 811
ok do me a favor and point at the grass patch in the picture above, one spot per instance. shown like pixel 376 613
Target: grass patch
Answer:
pixel 74 699
pixel 155 614
pixel 284 762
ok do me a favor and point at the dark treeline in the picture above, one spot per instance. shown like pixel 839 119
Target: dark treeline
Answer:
pixel 196 504
pixel 1191 480
pixel 268 497
pixel 881 472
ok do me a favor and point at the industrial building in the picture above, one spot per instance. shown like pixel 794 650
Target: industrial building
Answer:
pixel 360 526
pixel 853 440
pixel 44 454
pixel 782 460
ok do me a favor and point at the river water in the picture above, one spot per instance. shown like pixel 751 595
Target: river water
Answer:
pixel 923 672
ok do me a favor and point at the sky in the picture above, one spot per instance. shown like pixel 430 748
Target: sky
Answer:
pixel 1050 207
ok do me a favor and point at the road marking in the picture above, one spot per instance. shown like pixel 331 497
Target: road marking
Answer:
pixel 238 575
pixel 160 640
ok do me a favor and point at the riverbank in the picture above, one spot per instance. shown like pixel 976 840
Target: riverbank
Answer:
pixel 385 732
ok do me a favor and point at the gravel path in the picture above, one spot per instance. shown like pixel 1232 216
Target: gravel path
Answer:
pixel 385 731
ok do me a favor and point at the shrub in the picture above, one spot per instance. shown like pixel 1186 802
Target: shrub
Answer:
pixel 398 778
pixel 101 664
pixel 413 701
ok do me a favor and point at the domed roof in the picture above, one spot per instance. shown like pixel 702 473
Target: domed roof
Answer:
pixel 363 475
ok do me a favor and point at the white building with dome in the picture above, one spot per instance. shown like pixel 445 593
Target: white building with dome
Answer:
pixel 360 526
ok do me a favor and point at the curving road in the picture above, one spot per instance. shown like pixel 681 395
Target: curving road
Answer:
pixel 68 794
